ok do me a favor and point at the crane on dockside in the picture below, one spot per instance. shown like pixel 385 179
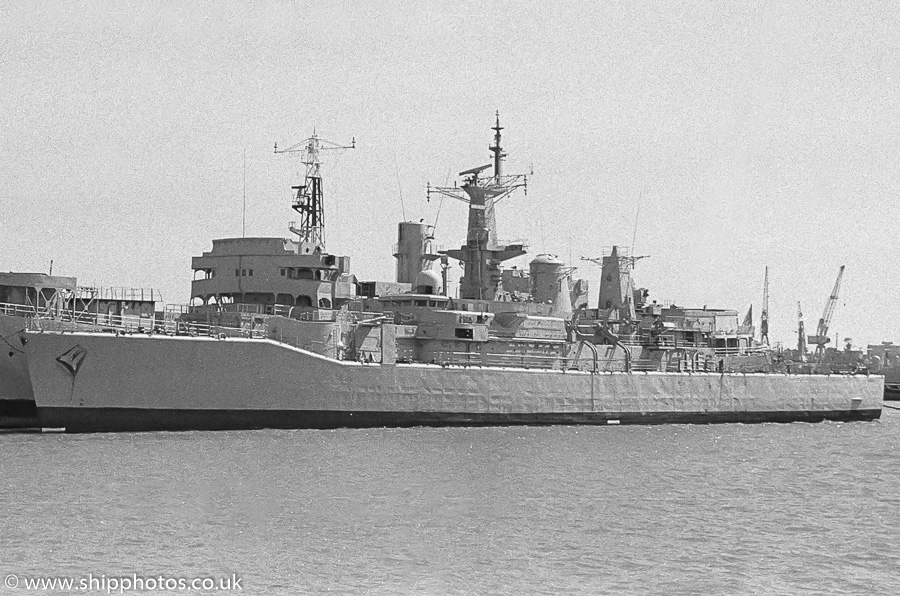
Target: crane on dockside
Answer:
pixel 801 334
pixel 821 337
pixel 764 318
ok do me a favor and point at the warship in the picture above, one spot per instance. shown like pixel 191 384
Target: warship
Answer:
pixel 53 302
pixel 280 334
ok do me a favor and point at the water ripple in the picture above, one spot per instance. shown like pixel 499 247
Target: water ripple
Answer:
pixel 731 509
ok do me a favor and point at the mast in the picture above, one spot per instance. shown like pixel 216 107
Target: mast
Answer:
pixel 482 254
pixel 309 198
pixel 497 150
pixel 616 283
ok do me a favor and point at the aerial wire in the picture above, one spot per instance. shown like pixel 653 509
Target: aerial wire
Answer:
pixel 636 219
pixel 244 219
pixel 399 187
pixel 441 202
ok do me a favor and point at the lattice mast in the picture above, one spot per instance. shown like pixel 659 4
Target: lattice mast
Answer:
pixel 309 198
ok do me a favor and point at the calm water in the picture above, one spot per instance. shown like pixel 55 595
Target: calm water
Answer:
pixel 727 509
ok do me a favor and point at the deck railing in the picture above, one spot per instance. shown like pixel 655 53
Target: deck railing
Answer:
pixel 256 326
pixel 58 319
pixel 25 310
pixel 118 294
pixel 535 361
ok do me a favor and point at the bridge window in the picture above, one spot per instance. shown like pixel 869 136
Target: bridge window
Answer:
pixel 464 333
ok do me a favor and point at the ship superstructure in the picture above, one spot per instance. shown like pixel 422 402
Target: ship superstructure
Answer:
pixel 269 275
pixel 260 273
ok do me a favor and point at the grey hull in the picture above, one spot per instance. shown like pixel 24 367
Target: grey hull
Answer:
pixel 14 381
pixel 87 382
pixel 17 407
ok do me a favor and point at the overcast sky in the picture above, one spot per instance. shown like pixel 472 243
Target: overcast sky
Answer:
pixel 719 138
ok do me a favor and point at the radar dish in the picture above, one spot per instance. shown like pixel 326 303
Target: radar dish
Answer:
pixel 477 170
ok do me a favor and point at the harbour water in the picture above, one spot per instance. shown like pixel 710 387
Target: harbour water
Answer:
pixel 721 509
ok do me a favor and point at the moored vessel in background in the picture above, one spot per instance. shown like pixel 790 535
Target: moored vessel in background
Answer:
pixel 23 296
pixel 280 334
pixel 42 302
pixel 884 359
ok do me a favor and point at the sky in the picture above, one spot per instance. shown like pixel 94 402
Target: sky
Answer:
pixel 719 138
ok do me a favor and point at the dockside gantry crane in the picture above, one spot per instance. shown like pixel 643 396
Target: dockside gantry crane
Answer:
pixel 764 318
pixel 821 337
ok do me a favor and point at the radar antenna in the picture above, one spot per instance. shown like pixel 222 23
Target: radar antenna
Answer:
pixel 308 201
pixel 494 188
pixel 626 261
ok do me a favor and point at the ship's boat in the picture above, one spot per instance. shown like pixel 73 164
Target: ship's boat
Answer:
pixel 280 334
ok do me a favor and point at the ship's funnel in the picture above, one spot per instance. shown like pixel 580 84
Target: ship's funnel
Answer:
pixel 551 284
pixel 545 272
pixel 413 250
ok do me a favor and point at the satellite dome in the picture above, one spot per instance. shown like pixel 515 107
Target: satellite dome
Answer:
pixel 427 282
pixel 546 259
